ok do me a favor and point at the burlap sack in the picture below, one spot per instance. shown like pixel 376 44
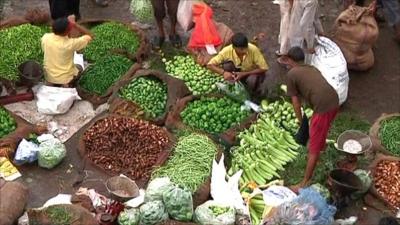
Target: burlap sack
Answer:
pixel 9 143
pixel 78 215
pixel 372 167
pixel 161 159
pixel 96 99
pixel 374 133
pixel 34 16
pixel 176 89
pixel 13 199
pixel 355 32
pixel 228 137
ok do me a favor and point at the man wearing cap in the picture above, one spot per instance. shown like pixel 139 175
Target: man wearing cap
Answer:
pixel 59 51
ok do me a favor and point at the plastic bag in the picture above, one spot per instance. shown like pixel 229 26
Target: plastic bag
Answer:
pixel 205 31
pixel 129 217
pixel 185 15
pixel 226 192
pixel 330 61
pixel 55 100
pixel 366 181
pixel 237 91
pixel 179 203
pixel 142 10
pixel 213 213
pixel 152 213
pixel 309 208
pixel 51 151
pixel 156 188
pixel 27 152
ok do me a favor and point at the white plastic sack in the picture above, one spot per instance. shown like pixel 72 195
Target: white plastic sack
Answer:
pixel 55 100
pixel 276 195
pixel 185 15
pixel 330 61
pixel 26 152
pixel 226 192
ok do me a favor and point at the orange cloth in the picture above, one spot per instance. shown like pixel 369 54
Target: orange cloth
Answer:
pixel 205 32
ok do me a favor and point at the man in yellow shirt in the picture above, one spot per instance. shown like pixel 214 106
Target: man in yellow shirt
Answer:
pixel 241 61
pixel 59 51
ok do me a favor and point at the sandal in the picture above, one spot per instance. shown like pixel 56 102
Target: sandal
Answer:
pixel 175 40
pixel 158 42
pixel 102 3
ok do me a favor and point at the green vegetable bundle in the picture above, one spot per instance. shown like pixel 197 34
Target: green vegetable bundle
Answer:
pixel 102 75
pixel 389 134
pixel 212 114
pixel 150 94
pixel 152 213
pixel 129 217
pixel 109 36
pixel 7 123
pixel 19 44
pixel 264 148
pixel 213 213
pixel 282 113
pixel 190 164
pixel 199 80
pixel 156 189
pixel 142 10
pixel 179 203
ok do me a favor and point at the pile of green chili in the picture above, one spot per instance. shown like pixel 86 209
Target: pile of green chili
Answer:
pixel 389 133
pixel 190 163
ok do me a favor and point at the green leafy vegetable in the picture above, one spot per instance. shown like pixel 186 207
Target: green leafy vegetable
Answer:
pixel 179 203
pixel 102 75
pixel 142 10
pixel 152 213
pixel 389 133
pixel 129 217
pixel 150 94
pixel 109 36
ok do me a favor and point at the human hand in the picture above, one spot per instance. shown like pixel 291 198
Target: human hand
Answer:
pixel 71 18
pixel 229 76
pixel 239 75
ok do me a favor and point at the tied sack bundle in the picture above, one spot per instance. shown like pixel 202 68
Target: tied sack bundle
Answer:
pixel 355 32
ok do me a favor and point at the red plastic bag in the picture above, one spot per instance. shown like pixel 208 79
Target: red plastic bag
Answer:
pixel 205 31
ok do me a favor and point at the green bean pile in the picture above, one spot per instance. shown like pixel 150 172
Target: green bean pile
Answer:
pixel 389 134
pixel 190 163
pixel 109 36
pixel 102 75
pixel 150 94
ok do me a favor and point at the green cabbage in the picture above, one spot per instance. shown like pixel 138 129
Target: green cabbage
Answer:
pixel 152 213
pixel 179 203
pixel 129 217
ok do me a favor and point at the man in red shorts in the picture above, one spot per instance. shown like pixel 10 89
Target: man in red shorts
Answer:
pixel 306 83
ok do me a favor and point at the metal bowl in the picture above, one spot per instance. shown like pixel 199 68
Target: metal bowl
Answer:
pixel 344 182
pixel 356 135
pixel 122 188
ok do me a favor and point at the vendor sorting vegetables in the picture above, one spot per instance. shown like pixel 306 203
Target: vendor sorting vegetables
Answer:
pixel 305 82
pixel 241 61
pixel 159 14
pixel 59 49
